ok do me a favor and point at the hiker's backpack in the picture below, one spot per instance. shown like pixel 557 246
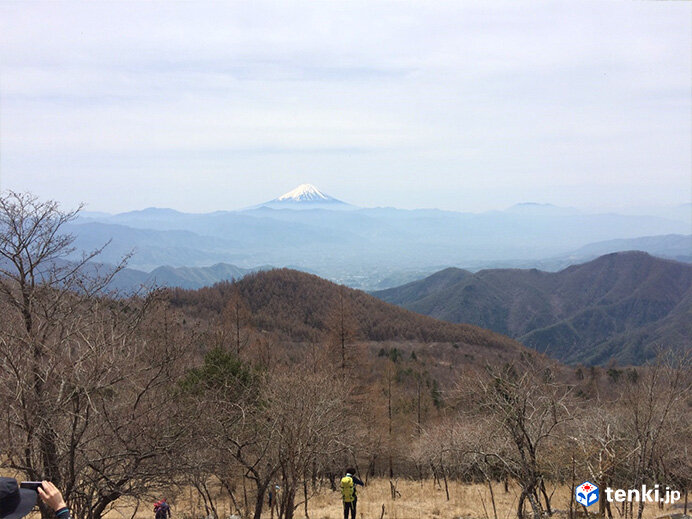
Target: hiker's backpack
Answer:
pixel 348 493
pixel 157 505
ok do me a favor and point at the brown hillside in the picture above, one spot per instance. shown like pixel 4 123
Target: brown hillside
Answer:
pixel 300 307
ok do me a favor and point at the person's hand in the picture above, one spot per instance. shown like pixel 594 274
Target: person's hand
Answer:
pixel 51 496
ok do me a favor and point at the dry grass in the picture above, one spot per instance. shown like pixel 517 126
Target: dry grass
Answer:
pixel 417 501
pixel 428 501
pixel 421 501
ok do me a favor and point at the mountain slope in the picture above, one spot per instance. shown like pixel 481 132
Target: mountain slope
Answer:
pixel 620 306
pixel 301 307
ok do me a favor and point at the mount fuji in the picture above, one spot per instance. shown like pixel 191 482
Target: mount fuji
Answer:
pixel 306 196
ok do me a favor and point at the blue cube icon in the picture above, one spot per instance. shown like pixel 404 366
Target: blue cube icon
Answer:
pixel 586 493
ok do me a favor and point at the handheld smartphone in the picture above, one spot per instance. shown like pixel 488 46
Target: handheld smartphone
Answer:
pixel 31 485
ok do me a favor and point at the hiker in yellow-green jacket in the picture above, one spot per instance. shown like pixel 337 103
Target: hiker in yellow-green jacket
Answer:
pixel 348 492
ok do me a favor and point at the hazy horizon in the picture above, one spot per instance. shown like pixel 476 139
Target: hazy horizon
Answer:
pixel 88 208
pixel 466 107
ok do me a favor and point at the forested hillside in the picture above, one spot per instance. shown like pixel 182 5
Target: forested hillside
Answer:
pixel 622 306
pixel 303 307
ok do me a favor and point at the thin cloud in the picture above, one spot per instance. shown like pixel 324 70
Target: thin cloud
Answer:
pixel 428 97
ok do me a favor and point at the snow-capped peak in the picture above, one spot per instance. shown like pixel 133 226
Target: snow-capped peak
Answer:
pixel 305 196
pixel 304 192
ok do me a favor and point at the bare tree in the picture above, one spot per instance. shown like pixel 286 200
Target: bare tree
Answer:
pixel 80 375
pixel 342 330
pixel 656 417
pixel 235 320
pixel 389 376
pixel 275 427
pixel 39 285
pixel 310 414
pixel 600 442
pixel 230 418
pixel 522 411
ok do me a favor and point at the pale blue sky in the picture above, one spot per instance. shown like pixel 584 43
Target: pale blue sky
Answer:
pixel 464 105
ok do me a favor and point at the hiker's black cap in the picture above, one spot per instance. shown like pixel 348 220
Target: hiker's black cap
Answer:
pixel 15 502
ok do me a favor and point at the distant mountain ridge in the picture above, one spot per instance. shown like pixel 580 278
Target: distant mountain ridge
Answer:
pixel 670 246
pixel 368 248
pixel 131 280
pixel 677 247
pixel 542 209
pixel 151 248
pixel 620 306
pixel 322 238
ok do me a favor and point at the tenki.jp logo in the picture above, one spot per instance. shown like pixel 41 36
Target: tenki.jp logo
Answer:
pixel 586 493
